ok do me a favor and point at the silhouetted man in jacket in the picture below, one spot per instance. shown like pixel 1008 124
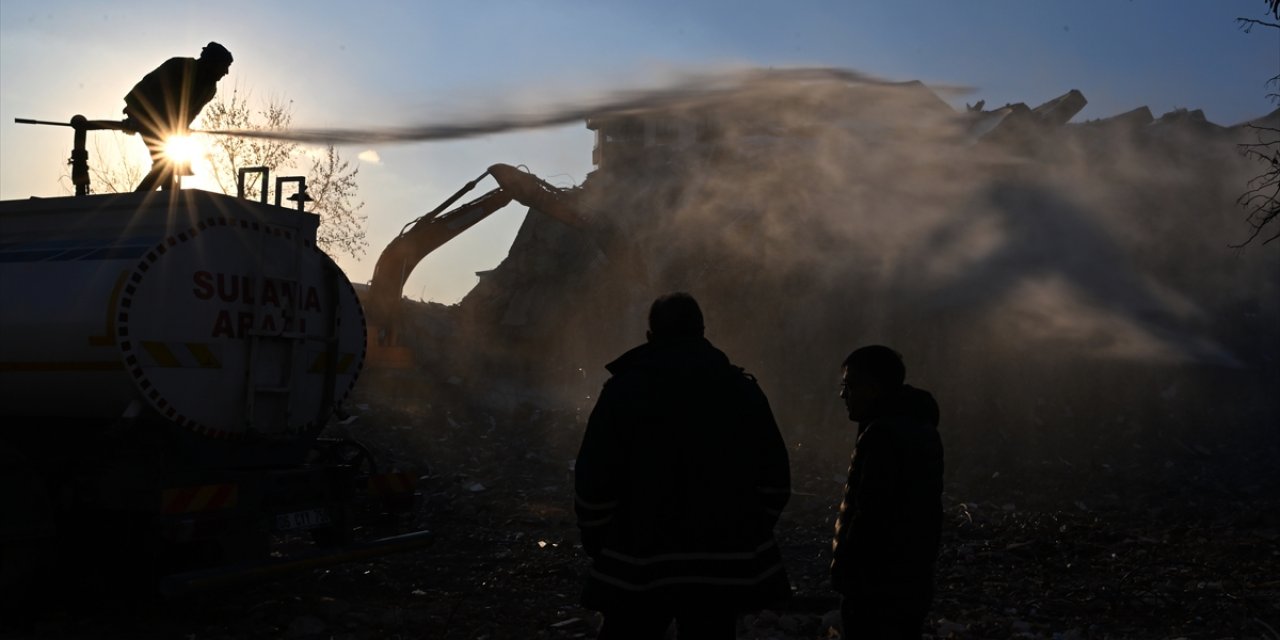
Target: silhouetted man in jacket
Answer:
pixel 167 100
pixel 680 480
pixel 887 533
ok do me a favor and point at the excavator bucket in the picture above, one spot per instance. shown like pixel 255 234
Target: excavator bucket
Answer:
pixel 528 189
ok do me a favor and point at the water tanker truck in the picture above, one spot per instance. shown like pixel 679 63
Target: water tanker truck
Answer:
pixel 167 362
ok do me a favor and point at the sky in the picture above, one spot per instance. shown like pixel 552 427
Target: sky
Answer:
pixel 386 64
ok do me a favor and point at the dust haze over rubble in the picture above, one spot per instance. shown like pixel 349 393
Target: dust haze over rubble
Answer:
pixel 1067 290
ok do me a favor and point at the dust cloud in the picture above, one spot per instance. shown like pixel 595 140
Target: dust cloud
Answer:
pixel 1067 292
pixel 677 91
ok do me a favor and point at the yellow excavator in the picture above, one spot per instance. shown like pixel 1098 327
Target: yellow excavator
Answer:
pixel 419 237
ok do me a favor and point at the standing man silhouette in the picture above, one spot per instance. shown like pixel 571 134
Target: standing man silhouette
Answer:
pixel 167 100
pixel 890 522
pixel 680 480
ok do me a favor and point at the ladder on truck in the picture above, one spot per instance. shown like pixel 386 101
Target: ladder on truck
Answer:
pixel 291 334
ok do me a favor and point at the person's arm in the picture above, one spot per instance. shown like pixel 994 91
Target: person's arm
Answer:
pixel 876 498
pixel 773 487
pixel 596 480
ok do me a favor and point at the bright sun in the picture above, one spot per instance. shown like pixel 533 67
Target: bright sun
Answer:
pixel 192 152
pixel 183 149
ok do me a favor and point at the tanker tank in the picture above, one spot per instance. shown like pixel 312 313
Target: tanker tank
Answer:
pixel 167 363
pixel 216 316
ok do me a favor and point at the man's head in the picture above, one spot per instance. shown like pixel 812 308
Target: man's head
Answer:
pixel 870 374
pixel 675 316
pixel 216 59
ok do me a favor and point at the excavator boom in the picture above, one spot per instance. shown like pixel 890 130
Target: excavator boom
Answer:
pixel 427 233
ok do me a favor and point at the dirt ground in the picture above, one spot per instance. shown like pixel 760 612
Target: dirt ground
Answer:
pixel 1166 548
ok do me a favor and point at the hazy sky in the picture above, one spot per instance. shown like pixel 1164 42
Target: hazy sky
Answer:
pixel 370 63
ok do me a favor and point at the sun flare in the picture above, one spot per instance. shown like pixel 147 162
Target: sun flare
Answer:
pixel 184 149
pixel 193 153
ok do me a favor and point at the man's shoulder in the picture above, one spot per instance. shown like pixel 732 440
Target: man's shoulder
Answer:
pixel 638 368
pixel 900 432
pixel 175 64
pixel 745 381
pixel 167 71
pixel 902 424
pixel 628 381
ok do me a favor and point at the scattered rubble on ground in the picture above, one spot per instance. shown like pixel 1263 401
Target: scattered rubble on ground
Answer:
pixel 1173 559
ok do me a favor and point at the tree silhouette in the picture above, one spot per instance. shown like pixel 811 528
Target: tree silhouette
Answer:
pixel 331 180
pixel 1261 198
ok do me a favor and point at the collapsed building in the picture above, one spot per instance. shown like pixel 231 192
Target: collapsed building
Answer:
pixel 1039 274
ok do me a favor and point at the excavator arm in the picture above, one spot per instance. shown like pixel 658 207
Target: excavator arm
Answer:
pixel 427 233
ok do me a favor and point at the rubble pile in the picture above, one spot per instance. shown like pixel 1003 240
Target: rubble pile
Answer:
pixel 1038 274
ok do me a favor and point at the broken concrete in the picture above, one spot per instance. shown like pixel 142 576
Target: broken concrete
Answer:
pixel 1061 109
pixel 810 220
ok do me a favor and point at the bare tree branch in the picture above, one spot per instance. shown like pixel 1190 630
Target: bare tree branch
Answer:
pixel 1261 198
pixel 331 181
pixel 332 184
pixel 1247 24
pixel 113 170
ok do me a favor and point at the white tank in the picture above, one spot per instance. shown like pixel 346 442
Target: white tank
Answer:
pixel 218 313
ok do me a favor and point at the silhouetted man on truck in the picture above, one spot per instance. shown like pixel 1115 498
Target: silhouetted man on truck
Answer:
pixel 887 533
pixel 680 480
pixel 167 100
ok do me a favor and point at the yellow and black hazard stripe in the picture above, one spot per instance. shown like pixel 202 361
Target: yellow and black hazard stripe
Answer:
pixel 209 497
pixel 391 483
pixel 184 355
pixel 343 365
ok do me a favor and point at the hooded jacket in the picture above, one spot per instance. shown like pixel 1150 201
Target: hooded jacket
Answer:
pixel 889 526
pixel 680 479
